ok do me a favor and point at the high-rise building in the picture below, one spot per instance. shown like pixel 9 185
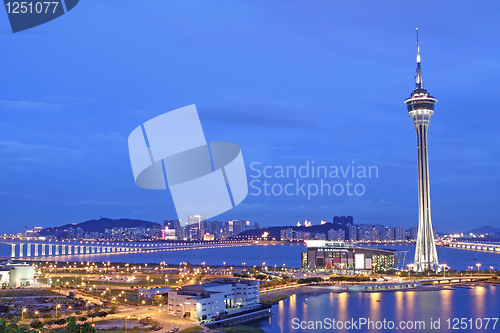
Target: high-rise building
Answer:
pixel 71 233
pixel 78 233
pixel 353 233
pixel 420 108
pixel 287 234
pixel 343 220
pixel 336 235
pixel 400 233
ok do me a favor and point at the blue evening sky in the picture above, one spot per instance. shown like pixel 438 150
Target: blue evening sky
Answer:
pixel 288 81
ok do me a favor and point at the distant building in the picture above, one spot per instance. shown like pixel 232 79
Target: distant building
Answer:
pixel 413 233
pixel 319 236
pixel 195 219
pixel 169 234
pixel 400 233
pixel 344 220
pixel 172 224
pixel 342 257
pixel 336 235
pixel 287 234
pixel 78 233
pixel 302 235
pixel 208 237
pixel 71 233
pixel 353 233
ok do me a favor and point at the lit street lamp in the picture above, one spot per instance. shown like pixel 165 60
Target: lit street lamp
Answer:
pixel 445 266
pixel 478 265
pixel 409 270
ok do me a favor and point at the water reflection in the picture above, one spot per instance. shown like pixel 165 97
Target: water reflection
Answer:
pixel 342 309
pixel 478 302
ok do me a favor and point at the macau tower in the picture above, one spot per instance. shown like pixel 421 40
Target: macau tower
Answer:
pixel 420 108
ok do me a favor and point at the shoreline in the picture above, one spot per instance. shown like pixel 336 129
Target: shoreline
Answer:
pixel 330 289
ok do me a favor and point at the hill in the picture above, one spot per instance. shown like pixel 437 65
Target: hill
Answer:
pixel 483 231
pixel 99 226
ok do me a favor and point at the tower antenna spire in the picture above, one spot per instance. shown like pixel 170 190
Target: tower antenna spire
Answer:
pixel 419 84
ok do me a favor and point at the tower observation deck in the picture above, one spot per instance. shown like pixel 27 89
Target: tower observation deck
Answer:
pixel 420 108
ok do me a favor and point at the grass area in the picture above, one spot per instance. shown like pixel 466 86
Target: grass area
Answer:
pixel 241 329
pixel 274 300
pixel 192 330
pixel 26 292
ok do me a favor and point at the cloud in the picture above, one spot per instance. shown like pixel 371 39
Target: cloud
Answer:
pixel 102 203
pixel 30 106
pixel 17 151
pixel 257 117
pixel 111 136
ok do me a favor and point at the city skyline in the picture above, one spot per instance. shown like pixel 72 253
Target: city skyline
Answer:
pixel 311 88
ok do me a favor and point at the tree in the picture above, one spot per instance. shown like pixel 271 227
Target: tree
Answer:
pixel 114 303
pixel 60 322
pixel 102 314
pixel 158 299
pixel 12 327
pixel 36 324
pixel 73 327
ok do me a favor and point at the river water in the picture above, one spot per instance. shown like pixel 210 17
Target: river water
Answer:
pixel 415 309
pixel 276 254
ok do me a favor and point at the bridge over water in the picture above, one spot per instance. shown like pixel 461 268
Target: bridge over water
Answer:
pixel 476 246
pixel 37 248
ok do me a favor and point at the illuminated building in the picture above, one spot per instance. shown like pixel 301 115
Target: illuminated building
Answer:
pixel 345 258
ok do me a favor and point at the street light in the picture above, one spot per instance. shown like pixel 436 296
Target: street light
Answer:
pixel 444 269
pixel 478 265
pixel 22 315
pixel 128 317
pixel 409 270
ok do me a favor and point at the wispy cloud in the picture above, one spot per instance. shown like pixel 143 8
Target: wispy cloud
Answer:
pixel 258 117
pixel 111 136
pixel 30 106
pixel 25 152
